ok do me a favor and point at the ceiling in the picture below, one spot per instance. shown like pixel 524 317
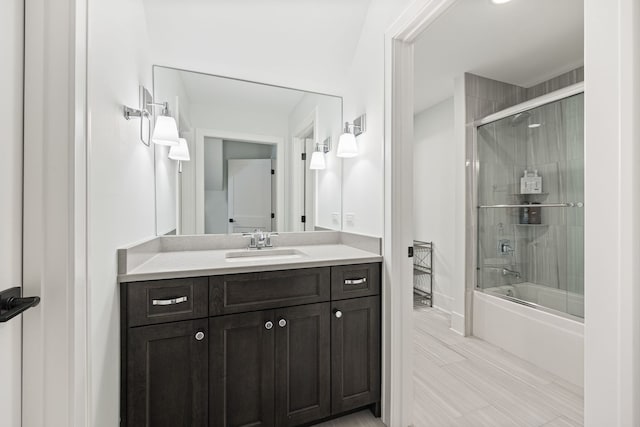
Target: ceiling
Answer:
pixel 206 89
pixel 307 44
pixel 523 42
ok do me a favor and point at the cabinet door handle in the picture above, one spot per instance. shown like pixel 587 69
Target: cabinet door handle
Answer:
pixel 199 335
pixel 268 325
pixel 171 301
pixel 355 281
pixel 282 323
pixel 337 313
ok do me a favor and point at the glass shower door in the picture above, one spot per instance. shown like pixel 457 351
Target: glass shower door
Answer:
pixel 530 206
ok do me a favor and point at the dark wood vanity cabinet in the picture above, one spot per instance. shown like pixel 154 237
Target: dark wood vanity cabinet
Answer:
pixel 241 357
pixel 355 353
pixel 167 369
pixel 271 349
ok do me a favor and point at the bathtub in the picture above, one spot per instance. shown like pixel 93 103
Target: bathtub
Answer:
pixel 552 341
pixel 544 296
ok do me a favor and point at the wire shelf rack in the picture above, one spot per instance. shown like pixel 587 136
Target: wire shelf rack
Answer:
pixel 423 271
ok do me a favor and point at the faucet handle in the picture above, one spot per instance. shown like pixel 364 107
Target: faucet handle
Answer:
pixel 269 236
pixel 252 242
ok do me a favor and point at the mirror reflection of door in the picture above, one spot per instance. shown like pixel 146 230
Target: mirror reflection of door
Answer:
pixel 249 192
pixel 238 181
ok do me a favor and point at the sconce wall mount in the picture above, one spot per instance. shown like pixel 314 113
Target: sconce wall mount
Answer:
pixel 347 146
pixel 167 134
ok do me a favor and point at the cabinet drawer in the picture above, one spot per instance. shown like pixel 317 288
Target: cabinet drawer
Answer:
pixel 353 281
pixel 238 293
pixel 167 301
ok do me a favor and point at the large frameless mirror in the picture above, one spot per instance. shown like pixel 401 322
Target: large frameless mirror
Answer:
pixel 247 157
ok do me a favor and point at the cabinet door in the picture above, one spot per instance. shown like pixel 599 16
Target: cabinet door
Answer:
pixel 303 364
pixel 242 369
pixel 167 367
pixel 355 353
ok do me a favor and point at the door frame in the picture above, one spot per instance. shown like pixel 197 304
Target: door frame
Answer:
pixel 298 141
pixel 55 334
pixel 281 172
pixel 612 68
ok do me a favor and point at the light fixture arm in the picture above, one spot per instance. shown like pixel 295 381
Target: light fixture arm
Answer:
pixel 145 112
pixel 325 147
pixel 357 127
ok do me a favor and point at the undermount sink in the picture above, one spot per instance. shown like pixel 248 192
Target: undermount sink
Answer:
pixel 263 255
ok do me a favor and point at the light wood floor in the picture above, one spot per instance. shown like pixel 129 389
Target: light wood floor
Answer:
pixel 466 382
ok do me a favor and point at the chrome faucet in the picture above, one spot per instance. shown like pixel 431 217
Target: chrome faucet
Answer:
pixel 509 272
pixel 260 239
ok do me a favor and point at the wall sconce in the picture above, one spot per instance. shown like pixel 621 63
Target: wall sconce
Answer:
pixel 165 131
pixel 317 158
pixel 347 146
pixel 180 152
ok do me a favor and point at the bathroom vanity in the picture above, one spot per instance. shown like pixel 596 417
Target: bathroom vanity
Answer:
pixel 265 341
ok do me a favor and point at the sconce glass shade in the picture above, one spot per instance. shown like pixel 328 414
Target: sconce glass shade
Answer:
pixel 180 151
pixel 166 131
pixel 317 161
pixel 347 146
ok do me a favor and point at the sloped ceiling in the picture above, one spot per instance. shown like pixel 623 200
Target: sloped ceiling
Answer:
pixel 307 44
pixel 523 42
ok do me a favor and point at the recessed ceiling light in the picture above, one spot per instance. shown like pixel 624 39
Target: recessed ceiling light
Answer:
pixel 500 1
pixel 535 125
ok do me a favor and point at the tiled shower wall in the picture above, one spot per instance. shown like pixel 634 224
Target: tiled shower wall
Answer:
pixel 550 254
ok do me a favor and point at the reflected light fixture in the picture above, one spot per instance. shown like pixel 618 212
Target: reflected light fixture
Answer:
pixel 180 152
pixel 317 158
pixel 500 1
pixel 347 145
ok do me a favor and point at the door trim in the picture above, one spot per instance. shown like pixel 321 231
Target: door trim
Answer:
pixel 55 340
pixel 397 307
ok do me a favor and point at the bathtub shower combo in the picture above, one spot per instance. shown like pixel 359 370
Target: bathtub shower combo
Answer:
pixel 529 294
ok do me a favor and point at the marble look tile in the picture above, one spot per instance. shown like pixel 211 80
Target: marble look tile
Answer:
pixel 358 419
pixel 488 416
pixel 563 80
pixel 482 385
pixel 562 422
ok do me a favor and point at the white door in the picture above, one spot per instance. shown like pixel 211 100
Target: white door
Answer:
pixel 11 105
pixel 249 195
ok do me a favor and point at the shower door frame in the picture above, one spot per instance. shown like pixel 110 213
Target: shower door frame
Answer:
pixel 473 178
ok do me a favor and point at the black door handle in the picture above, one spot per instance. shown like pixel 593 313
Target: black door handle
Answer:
pixel 12 303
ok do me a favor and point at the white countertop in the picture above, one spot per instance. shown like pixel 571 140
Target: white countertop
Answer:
pixel 196 263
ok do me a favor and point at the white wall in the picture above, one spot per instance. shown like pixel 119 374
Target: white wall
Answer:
pixel 434 194
pixel 363 176
pixel 121 183
pixel 11 80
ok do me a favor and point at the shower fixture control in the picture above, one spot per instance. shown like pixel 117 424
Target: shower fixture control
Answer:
pixel 504 247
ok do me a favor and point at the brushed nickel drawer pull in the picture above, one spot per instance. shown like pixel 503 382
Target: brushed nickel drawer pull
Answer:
pixel 355 281
pixel 172 301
